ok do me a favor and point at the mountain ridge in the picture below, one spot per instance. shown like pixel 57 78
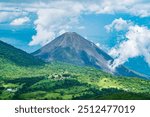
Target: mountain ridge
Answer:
pixel 17 56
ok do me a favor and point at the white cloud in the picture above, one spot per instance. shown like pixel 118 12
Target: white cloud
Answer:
pixel 137 44
pixel 139 8
pixel 118 25
pixel 135 7
pixel 55 17
pixel 111 6
pixel 42 37
pixel 20 21
pixel 52 22
pixel 6 16
pixel 49 21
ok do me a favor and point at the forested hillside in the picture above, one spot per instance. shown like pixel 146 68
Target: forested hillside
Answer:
pixel 65 81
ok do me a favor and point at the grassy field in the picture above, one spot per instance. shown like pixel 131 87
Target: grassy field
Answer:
pixel 64 81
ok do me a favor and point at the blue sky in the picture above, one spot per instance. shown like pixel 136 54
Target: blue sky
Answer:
pixel 121 28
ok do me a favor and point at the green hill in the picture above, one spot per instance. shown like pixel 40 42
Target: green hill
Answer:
pixel 16 56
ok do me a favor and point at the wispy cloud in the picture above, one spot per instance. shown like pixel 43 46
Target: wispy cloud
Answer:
pixel 7 16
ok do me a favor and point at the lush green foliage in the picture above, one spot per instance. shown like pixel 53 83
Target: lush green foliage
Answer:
pixel 17 56
pixel 64 81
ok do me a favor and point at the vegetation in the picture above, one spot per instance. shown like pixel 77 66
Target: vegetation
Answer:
pixel 17 56
pixel 65 81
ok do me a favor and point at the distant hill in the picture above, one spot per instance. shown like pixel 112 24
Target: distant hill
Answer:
pixel 17 56
pixel 72 48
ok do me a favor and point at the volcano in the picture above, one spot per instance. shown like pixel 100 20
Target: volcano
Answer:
pixel 72 48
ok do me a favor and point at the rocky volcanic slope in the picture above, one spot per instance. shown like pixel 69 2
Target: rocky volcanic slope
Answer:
pixel 72 48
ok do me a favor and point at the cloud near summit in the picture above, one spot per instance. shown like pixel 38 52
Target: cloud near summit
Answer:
pixel 136 42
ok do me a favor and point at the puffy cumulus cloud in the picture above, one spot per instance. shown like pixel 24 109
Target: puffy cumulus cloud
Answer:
pixel 118 25
pixel 55 17
pixel 52 22
pixel 42 37
pixel 137 44
pixel 20 21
